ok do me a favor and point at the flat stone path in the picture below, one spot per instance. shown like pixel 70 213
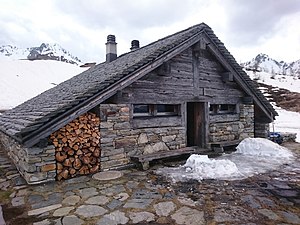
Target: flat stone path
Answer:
pixel 140 197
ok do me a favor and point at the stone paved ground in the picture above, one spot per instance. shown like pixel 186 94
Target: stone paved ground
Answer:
pixel 143 198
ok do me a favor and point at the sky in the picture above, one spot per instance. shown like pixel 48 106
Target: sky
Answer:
pixel 246 27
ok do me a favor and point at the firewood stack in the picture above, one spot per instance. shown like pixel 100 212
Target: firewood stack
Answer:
pixel 77 150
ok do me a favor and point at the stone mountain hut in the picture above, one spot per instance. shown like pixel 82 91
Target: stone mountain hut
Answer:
pixel 183 91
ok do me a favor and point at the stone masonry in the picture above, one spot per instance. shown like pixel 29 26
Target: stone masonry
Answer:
pixel 231 128
pixel 119 140
pixel 37 165
pixel 262 129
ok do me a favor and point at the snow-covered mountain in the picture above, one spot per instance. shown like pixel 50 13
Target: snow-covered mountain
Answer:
pixel 45 51
pixel 264 63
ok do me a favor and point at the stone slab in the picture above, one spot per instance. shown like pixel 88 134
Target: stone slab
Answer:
pixel 71 200
pixel 62 211
pixel 269 214
pixel 72 220
pixel 107 175
pixel 188 216
pixel 164 208
pixel 98 200
pixel 43 210
pixel 138 217
pixel 88 192
pixel 138 203
pixel 113 218
pixel 90 211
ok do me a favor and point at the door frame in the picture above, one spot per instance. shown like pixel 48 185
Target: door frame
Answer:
pixel 197 130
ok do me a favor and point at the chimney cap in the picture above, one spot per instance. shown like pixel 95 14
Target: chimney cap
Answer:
pixel 111 38
pixel 135 44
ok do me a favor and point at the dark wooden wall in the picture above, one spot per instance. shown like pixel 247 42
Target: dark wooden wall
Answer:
pixel 189 77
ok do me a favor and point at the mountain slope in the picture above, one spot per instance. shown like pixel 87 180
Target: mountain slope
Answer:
pixel 284 93
pixel 44 51
pixel 264 63
pixel 21 80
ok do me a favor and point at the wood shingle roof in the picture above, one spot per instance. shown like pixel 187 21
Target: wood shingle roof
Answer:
pixel 76 95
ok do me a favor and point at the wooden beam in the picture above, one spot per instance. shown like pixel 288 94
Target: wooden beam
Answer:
pixel 227 77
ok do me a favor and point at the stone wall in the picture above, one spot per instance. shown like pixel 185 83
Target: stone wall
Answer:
pixel 230 127
pixel 37 165
pixel 262 129
pixel 119 140
pixel 247 119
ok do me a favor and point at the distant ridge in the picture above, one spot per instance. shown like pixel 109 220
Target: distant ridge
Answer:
pixel 264 63
pixel 45 51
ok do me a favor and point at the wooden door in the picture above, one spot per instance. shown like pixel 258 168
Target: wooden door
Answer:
pixel 196 124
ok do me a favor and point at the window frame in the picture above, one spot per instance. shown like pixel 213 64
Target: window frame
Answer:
pixel 153 111
pixel 217 109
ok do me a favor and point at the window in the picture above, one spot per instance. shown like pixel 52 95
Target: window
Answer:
pixel 222 108
pixel 142 110
pixel 167 109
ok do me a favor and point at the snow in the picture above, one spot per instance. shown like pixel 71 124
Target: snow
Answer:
pixel 262 147
pixel 287 121
pixel 203 167
pixel 9 52
pixel 253 156
pixel 281 81
pixel 21 80
pixel 264 63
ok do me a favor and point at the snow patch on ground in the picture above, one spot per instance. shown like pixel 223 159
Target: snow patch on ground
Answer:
pixel 253 156
pixel 287 121
pixel 201 167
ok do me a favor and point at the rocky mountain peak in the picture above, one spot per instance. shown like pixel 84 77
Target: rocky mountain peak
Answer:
pixel 45 51
pixel 263 62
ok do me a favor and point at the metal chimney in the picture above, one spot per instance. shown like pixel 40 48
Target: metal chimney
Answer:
pixel 135 44
pixel 111 48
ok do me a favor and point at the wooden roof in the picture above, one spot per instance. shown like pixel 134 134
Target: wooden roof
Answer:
pixel 38 117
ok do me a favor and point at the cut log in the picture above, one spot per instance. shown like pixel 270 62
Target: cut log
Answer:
pixel 70 152
pixel 77 164
pixel 60 156
pixel 94 169
pixel 72 171
pixel 84 170
pixel 67 162
pixel 96 152
pixel 86 160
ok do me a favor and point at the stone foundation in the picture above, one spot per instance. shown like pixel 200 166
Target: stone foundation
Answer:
pixel 231 127
pixel 36 165
pixel 262 130
pixel 119 140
